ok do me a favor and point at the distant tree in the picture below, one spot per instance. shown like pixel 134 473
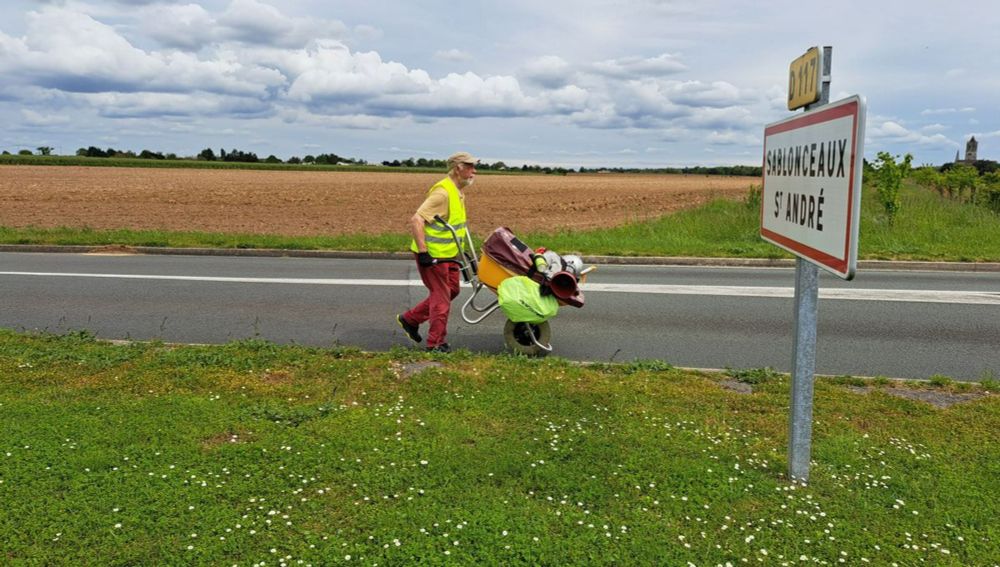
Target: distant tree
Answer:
pixel 409 162
pixel 111 152
pixel 984 166
pixel 888 178
pixel 241 156
pixel 24 153
pixel 147 154
pixel 44 150
pixel 990 194
pixel 309 159
pixel 5 153
pixel 327 159
pixel 960 178
pixel 207 154
pixel 929 177
pixel 272 159
pixel 171 156
pixel 92 151
pixel 295 160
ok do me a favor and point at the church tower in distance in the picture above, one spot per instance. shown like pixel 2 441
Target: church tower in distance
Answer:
pixel 970 150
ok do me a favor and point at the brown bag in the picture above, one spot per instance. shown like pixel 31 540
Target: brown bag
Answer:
pixel 510 252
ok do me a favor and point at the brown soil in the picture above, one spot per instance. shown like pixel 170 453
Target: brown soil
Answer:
pixel 306 203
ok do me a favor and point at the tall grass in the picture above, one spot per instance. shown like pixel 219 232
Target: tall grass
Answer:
pixel 930 227
pixel 926 227
pixel 719 229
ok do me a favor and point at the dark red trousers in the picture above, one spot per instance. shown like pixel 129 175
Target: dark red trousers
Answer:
pixel 442 282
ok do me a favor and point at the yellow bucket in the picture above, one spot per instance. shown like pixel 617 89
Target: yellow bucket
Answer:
pixel 491 273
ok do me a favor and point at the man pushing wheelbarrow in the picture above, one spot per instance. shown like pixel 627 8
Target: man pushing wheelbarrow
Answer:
pixel 530 285
pixel 438 228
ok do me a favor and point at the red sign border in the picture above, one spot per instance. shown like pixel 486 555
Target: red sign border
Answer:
pixel 850 106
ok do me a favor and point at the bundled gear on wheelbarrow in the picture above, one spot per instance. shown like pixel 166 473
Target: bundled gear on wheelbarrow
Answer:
pixel 530 285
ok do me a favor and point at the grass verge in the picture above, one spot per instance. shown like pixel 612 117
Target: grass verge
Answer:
pixel 927 228
pixel 252 453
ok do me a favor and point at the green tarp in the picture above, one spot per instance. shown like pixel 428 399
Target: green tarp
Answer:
pixel 521 301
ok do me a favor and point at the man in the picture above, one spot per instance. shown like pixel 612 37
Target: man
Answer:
pixel 433 246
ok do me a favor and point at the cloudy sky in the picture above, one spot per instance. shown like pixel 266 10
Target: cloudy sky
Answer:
pixel 634 83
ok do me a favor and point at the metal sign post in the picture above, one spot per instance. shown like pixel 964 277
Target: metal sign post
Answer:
pixel 804 350
pixel 810 206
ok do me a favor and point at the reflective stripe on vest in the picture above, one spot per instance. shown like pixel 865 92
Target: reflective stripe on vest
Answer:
pixel 440 243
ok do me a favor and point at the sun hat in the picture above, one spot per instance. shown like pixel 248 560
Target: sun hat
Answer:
pixel 461 157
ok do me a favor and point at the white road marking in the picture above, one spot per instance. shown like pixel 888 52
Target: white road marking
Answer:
pixel 855 294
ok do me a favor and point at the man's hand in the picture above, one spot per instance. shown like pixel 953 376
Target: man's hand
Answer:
pixel 425 259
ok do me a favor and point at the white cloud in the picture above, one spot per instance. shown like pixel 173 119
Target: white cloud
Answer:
pixel 469 95
pixel 934 111
pixel 33 118
pixel 347 121
pixel 366 33
pixel 731 118
pixel 891 131
pixel 719 94
pixel 132 105
pixel 548 71
pixel 187 26
pixel 333 74
pixel 89 56
pixel 453 55
pixel 253 21
pixel 192 27
pixel 731 138
pixel 934 128
pixel 626 67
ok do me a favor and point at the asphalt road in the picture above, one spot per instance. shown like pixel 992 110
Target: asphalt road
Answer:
pixel 906 324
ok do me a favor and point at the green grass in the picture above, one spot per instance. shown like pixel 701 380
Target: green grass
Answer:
pixel 247 453
pixel 89 237
pixel 926 228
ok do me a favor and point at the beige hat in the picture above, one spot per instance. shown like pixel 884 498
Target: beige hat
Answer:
pixel 460 157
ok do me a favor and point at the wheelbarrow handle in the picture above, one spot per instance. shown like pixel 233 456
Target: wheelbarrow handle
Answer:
pixel 466 250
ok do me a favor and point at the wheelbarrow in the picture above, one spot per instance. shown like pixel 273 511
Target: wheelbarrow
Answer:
pixel 505 256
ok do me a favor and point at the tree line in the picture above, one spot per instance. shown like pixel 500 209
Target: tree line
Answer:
pixel 208 154
pixel 237 155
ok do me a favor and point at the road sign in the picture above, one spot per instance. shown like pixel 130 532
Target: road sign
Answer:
pixel 805 79
pixel 811 196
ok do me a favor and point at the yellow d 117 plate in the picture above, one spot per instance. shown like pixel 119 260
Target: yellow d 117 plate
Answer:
pixel 804 79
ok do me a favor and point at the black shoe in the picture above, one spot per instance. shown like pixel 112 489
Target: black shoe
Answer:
pixel 443 347
pixel 411 331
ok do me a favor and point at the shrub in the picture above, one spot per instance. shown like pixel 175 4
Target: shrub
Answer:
pixel 888 176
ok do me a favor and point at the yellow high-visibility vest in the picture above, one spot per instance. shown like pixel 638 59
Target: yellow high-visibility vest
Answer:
pixel 440 243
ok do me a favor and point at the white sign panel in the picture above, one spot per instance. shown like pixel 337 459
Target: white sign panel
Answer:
pixel 811 197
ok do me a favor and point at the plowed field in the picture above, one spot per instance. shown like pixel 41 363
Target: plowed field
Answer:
pixel 307 203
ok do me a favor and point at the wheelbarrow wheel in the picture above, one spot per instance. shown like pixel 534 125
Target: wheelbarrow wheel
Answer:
pixel 518 340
